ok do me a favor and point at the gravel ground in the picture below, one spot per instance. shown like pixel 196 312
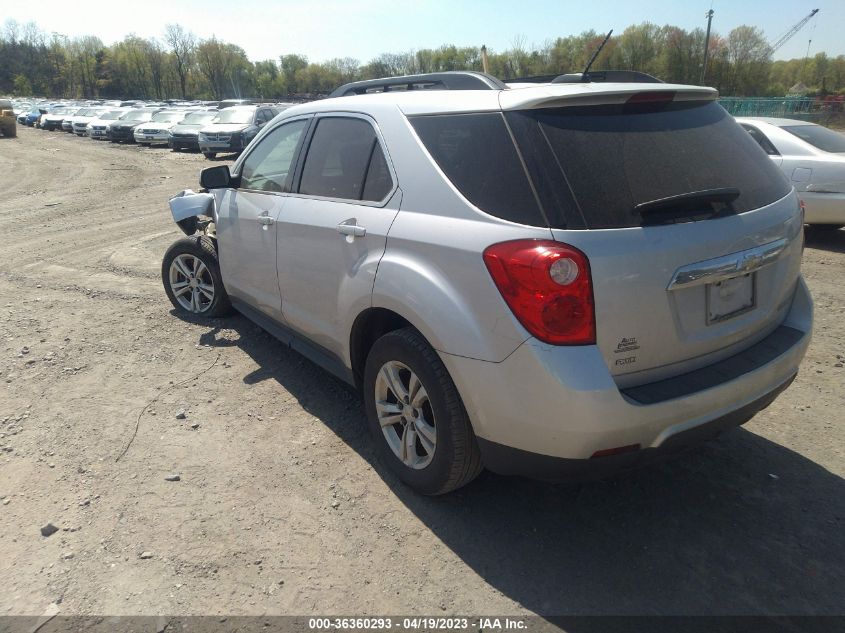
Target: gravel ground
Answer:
pixel 281 506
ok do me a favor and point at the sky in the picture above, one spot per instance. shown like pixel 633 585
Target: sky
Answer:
pixel 362 29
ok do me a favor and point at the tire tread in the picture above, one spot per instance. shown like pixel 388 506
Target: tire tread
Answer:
pixel 466 464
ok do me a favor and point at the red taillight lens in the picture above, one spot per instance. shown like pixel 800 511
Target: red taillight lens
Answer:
pixel 547 286
pixel 654 96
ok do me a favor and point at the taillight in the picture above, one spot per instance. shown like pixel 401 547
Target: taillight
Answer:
pixel 652 96
pixel 547 285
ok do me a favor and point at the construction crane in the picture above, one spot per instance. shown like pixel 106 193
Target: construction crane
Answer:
pixel 788 35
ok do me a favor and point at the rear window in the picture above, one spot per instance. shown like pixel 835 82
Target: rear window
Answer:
pixel 818 136
pixel 600 162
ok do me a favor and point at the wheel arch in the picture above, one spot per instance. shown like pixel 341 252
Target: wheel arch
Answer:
pixel 368 327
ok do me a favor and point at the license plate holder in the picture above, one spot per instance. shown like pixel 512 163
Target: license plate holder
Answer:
pixel 729 298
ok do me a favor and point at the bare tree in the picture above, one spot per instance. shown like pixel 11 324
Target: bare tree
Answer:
pixel 184 45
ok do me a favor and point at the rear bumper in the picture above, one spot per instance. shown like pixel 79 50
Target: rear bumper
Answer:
pixel 513 461
pixel 823 208
pixel 562 402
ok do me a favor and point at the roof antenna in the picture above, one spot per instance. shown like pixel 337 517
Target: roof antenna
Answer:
pixel 596 54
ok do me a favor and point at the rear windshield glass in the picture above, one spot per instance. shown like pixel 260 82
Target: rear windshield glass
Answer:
pixel 600 162
pixel 818 136
pixel 476 153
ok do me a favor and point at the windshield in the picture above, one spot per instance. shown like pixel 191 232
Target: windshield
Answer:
pixel 818 136
pixel 168 117
pixel 199 117
pixel 114 114
pixel 234 116
pixel 137 115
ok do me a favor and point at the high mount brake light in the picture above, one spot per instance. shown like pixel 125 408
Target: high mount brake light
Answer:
pixel 652 96
pixel 547 286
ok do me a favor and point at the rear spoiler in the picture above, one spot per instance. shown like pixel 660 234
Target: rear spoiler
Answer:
pixel 571 94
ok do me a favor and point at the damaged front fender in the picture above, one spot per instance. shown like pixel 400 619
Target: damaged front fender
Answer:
pixel 192 211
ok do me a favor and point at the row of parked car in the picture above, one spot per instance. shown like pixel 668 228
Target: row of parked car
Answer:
pixel 210 128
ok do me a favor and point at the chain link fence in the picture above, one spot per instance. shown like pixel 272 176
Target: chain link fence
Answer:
pixel 829 111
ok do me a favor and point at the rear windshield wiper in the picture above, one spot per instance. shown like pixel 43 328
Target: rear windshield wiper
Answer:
pixel 685 207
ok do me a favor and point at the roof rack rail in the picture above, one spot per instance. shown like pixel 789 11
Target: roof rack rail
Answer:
pixel 448 80
pixel 532 79
pixel 620 76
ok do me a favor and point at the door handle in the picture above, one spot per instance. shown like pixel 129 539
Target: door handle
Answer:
pixel 266 220
pixel 351 229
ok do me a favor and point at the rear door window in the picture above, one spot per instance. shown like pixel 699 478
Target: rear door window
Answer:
pixel 345 161
pixel 762 139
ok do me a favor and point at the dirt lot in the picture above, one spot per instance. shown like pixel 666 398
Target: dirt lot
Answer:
pixel 282 507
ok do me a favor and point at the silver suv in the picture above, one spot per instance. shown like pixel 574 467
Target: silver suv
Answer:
pixel 554 280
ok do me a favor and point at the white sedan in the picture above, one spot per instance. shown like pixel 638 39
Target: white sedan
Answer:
pixel 812 157
pixel 157 129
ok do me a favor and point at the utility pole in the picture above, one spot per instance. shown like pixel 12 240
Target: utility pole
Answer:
pixel 485 63
pixel 709 16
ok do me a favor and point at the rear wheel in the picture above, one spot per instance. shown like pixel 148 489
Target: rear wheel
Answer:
pixel 191 275
pixel 418 421
pixel 209 155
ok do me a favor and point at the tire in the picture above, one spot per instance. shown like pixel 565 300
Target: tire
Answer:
pixel 210 155
pixel 455 459
pixel 196 301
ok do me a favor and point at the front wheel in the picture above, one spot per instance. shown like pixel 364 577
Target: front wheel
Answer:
pixel 418 421
pixel 190 272
pixel 209 155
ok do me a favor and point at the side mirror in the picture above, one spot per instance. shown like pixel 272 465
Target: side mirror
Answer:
pixel 217 178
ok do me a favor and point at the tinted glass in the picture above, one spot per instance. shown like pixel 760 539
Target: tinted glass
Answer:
pixel 379 182
pixel 268 165
pixel 338 158
pixel 818 136
pixel 609 159
pixel 761 139
pixel 477 154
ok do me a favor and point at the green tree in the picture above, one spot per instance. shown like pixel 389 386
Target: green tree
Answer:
pixel 23 88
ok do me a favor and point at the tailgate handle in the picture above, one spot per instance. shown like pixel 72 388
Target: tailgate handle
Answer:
pixel 713 270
